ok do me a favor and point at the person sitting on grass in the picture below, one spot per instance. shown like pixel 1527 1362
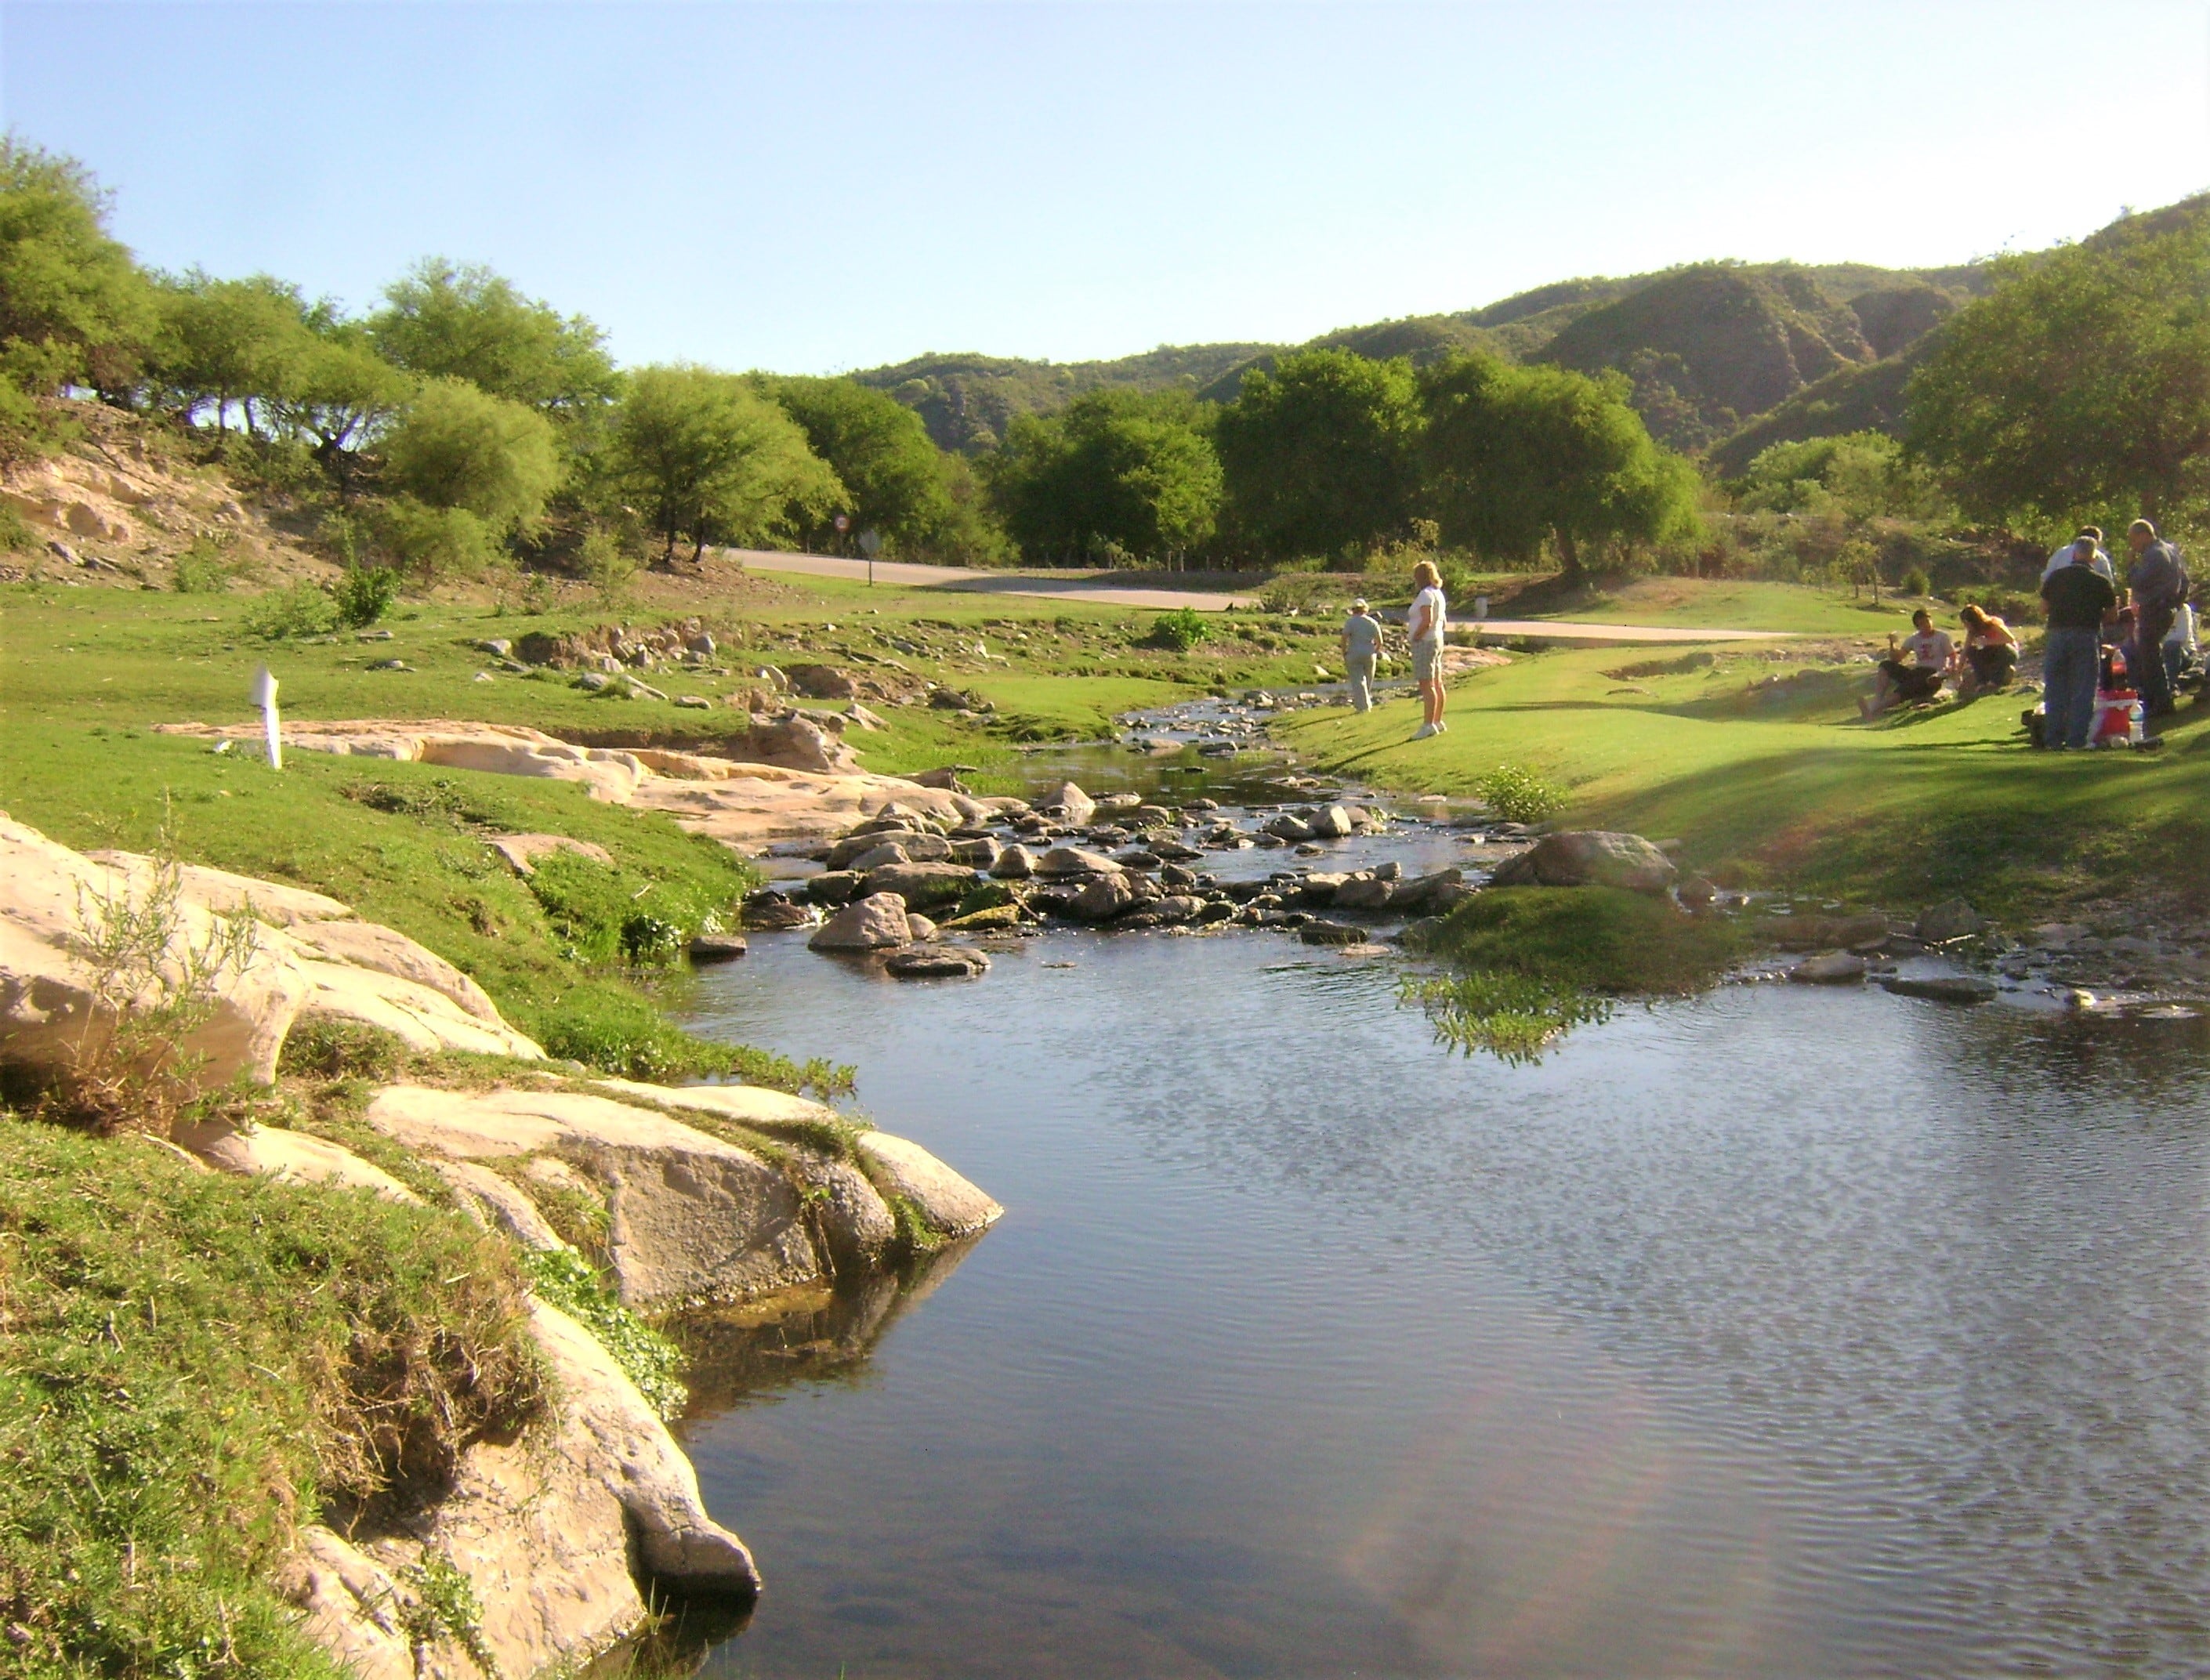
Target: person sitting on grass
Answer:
pixel 1918 678
pixel 2183 649
pixel 1425 622
pixel 1990 652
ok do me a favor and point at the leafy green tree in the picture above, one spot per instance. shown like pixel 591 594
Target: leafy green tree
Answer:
pixel 227 342
pixel 337 392
pixel 73 307
pixel 458 446
pixel 882 454
pixel 1517 455
pixel 1321 456
pixel 448 321
pixel 714 460
pixel 2082 384
pixel 1861 476
pixel 1115 473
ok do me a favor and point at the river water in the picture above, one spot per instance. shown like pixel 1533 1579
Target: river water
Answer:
pixel 1785 1331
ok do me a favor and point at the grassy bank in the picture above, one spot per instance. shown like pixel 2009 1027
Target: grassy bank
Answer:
pixel 1761 768
pixel 198 1363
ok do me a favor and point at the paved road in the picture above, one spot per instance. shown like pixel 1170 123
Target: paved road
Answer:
pixel 970 581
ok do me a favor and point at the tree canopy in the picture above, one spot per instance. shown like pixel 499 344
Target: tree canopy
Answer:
pixel 74 307
pixel 1321 456
pixel 891 472
pixel 458 446
pixel 226 341
pixel 446 320
pixel 1517 455
pixel 2082 384
pixel 1115 473
pixel 713 459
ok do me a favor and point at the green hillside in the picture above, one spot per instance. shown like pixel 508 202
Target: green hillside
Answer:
pixel 967 401
pixel 1709 348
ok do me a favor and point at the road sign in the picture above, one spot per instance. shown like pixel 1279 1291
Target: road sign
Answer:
pixel 843 521
pixel 870 540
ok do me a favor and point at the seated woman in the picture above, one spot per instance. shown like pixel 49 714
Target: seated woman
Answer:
pixel 1990 652
pixel 1919 678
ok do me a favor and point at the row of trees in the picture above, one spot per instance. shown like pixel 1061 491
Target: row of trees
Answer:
pixel 460 416
pixel 1333 454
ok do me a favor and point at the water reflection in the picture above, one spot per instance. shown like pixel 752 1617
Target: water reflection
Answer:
pixel 1777 1332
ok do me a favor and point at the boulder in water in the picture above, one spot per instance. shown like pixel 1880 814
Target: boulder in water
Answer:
pixel 877 923
pixel 1589 857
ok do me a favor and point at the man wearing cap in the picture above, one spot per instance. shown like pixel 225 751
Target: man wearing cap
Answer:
pixel 1362 652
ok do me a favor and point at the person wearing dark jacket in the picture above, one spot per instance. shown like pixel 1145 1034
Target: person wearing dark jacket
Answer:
pixel 2079 598
pixel 2158 583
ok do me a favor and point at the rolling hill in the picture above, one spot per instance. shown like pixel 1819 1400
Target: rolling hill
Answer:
pixel 1723 357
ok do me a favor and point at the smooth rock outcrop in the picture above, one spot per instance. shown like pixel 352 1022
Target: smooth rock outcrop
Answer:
pixel 1836 967
pixel 1061 862
pixel 1941 987
pixel 520 852
pixel 293 1158
pixel 948 1202
pixel 1589 857
pixel 936 962
pixel 1952 919
pixel 689 1216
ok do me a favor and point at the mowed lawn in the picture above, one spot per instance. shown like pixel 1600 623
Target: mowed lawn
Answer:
pixel 1694 604
pixel 1778 781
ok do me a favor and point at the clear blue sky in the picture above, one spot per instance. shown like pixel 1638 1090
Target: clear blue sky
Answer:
pixel 819 186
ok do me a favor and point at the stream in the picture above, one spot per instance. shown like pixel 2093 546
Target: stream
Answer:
pixel 1782 1330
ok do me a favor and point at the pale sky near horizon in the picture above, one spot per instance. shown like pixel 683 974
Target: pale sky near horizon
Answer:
pixel 827 185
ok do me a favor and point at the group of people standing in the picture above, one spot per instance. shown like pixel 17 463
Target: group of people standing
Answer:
pixel 1425 621
pixel 2151 632
pixel 2080 592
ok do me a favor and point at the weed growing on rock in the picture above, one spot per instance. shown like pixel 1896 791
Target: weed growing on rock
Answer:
pixel 444 1606
pixel 565 1279
pixel 153 985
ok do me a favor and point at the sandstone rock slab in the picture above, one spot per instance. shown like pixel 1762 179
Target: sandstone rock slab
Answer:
pixel 1589 857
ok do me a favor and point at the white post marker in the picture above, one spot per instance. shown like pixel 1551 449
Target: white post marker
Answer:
pixel 870 540
pixel 264 696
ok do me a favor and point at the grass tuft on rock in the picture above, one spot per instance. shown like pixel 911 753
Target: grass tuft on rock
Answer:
pixel 191 1365
pixel 566 1280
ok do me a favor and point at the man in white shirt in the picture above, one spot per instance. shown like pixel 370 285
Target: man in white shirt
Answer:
pixel 1427 621
pixel 1915 670
pixel 2089 540
pixel 1362 653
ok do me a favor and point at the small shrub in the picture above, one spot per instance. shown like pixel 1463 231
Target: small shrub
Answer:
pixel 204 568
pixel 605 565
pixel 1519 794
pixel 565 1279
pixel 652 939
pixel 1179 631
pixel 439 542
pixel 363 595
pixel 326 1048
pixel 16 537
pixel 1915 582
pixel 302 610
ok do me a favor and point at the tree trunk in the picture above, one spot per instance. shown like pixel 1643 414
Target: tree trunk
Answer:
pixel 1567 552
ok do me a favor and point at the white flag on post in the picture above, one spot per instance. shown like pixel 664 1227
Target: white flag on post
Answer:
pixel 264 696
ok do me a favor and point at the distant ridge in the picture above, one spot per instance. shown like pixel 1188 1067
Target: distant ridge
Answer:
pixel 1723 357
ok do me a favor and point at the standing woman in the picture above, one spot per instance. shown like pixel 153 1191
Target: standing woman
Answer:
pixel 1427 622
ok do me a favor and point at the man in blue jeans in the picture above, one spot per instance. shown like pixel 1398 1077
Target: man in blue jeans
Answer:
pixel 2079 599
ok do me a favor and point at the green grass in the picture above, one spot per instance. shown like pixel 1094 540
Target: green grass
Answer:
pixel 1695 604
pixel 197 1363
pixel 1777 781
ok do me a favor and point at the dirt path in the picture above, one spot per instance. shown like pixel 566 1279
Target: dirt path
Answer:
pixel 968 581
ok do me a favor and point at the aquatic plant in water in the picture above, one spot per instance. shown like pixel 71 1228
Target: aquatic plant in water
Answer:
pixel 1514 1016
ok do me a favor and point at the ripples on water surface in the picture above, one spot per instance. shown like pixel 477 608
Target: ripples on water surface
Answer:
pixel 1784 1331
